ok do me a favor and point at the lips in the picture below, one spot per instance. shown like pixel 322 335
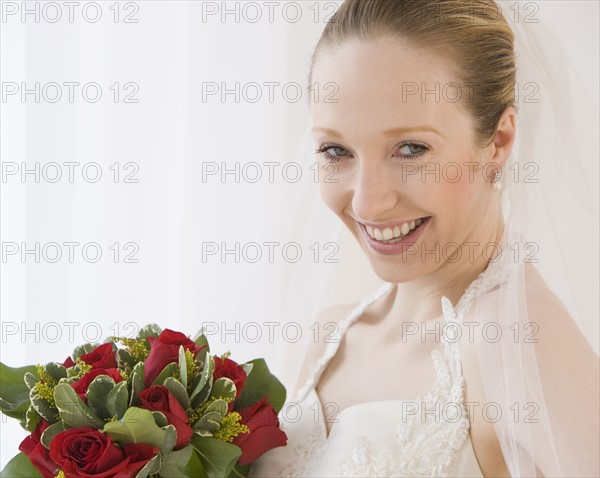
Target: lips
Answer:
pixel 385 234
pixel 394 238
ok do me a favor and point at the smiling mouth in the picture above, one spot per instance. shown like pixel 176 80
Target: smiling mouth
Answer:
pixel 396 234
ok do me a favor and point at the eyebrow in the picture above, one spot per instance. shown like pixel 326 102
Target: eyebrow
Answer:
pixel 388 133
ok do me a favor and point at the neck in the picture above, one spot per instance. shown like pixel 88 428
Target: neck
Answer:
pixel 419 299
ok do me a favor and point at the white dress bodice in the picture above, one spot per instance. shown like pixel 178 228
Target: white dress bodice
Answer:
pixel 425 437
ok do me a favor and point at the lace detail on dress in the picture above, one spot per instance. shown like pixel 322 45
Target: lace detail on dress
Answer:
pixel 484 282
pixel 431 450
pixel 307 453
pixel 424 449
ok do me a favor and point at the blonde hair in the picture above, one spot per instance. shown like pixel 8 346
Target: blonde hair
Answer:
pixel 472 34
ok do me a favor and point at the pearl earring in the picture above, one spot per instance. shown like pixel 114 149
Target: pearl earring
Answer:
pixel 496 183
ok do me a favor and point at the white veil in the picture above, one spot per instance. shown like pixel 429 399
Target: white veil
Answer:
pixel 542 374
pixel 548 372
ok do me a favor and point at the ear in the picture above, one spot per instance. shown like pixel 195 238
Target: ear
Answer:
pixel 505 137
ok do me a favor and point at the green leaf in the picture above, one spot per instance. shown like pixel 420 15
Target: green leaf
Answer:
pixel 201 340
pixel 150 468
pixel 247 368
pixel 97 394
pixel 137 383
pixel 56 371
pixel 43 407
pixel 168 371
pixel 17 411
pixel 217 456
pixel 138 426
pixel 182 367
pixel 20 467
pixel 201 358
pixel 14 392
pixel 11 380
pixel 32 419
pixel 201 397
pixel 177 389
pixel 72 410
pixel 223 388
pixel 82 350
pixel 182 463
pixel 150 330
pixel 30 380
pixel 51 432
pixel 160 419
pixel 124 357
pixel 205 376
pixel 240 471
pixel 218 406
pixel 209 422
pixel 260 383
pixel 116 401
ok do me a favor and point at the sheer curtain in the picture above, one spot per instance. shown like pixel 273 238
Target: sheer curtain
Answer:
pixel 195 212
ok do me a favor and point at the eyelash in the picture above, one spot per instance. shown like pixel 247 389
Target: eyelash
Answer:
pixel 334 159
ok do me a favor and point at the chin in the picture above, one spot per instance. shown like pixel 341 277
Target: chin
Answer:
pixel 397 270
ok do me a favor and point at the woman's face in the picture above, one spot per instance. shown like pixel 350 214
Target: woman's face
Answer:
pixel 405 175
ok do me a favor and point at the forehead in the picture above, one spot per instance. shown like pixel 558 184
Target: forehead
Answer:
pixel 384 82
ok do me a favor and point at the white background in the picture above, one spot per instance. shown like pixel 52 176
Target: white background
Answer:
pixel 169 134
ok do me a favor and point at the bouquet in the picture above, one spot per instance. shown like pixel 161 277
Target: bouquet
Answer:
pixel 158 405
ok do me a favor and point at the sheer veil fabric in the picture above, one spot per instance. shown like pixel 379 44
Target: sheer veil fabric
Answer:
pixel 551 375
pixel 542 371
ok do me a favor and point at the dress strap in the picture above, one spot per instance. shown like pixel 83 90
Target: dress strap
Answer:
pixel 453 316
pixel 336 339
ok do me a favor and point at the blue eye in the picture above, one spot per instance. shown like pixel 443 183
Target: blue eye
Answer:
pixel 412 150
pixel 326 149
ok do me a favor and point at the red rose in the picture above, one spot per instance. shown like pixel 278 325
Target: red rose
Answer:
pixel 102 356
pixel 229 369
pixel 81 385
pixel 264 434
pixel 38 454
pixel 68 363
pixel 160 399
pixel 85 452
pixel 165 350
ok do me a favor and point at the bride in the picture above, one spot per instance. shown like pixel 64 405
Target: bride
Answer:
pixel 464 363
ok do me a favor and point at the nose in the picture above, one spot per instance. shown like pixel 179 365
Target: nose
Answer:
pixel 374 191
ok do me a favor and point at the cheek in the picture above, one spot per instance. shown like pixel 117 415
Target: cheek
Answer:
pixel 335 195
pixel 453 193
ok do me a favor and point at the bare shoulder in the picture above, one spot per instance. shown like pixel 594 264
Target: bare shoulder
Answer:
pixel 551 320
pixel 564 365
pixel 320 328
pixel 324 324
pixel 548 321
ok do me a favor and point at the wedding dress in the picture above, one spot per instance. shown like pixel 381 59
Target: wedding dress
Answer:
pixel 422 438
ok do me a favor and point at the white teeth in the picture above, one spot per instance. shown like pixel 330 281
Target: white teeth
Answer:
pixel 388 233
